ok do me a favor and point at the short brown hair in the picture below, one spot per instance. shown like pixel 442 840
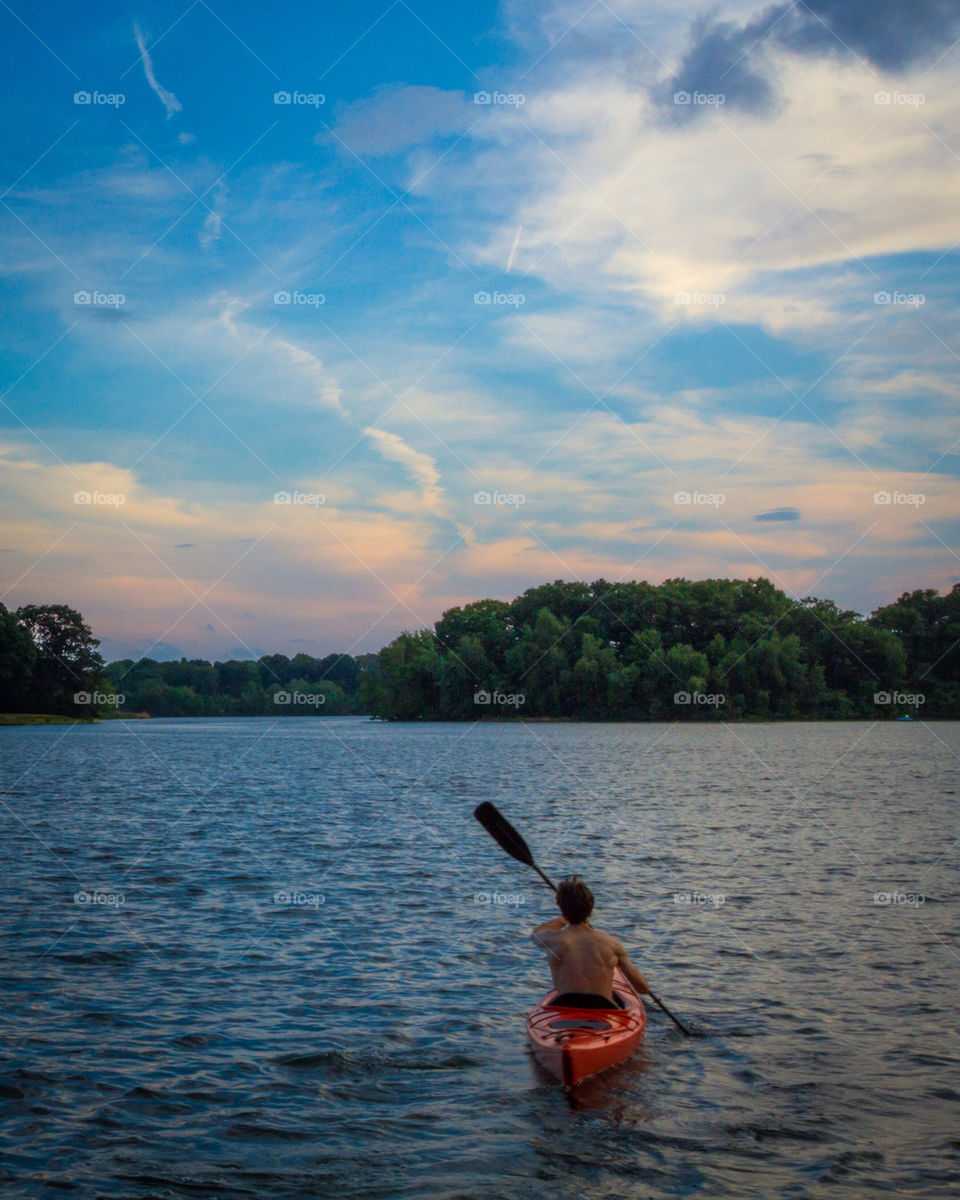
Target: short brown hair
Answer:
pixel 574 899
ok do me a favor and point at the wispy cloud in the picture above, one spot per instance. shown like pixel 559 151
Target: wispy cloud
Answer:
pixel 513 248
pixel 420 467
pixel 167 99
pixel 209 236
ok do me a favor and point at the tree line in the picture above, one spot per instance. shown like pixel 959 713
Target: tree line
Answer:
pixel 50 663
pixel 710 649
pixel 688 650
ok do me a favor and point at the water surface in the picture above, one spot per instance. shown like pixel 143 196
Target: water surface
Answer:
pixel 258 958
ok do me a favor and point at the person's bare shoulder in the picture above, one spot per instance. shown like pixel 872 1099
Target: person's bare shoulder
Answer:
pixel 611 942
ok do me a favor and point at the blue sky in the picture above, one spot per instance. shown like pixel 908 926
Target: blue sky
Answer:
pixel 676 286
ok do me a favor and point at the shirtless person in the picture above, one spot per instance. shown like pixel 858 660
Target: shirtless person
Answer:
pixel 582 959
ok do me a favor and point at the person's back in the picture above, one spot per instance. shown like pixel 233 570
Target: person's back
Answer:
pixel 582 959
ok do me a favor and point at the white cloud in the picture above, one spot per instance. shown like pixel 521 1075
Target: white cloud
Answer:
pixel 396 118
pixel 167 99
pixel 783 217
pixel 420 467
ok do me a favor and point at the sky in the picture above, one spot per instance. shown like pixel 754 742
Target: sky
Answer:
pixel 316 323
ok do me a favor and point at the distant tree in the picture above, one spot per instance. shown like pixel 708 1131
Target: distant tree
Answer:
pixel 17 657
pixel 624 650
pixel 539 665
pixel 67 660
pixel 407 684
pixel 276 670
pixel 235 676
pixel 597 651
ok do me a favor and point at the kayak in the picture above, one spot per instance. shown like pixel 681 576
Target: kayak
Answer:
pixel 573 1043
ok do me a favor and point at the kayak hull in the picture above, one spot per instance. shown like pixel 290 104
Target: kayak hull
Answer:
pixel 574 1043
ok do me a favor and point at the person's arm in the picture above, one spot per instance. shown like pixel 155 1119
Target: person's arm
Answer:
pixel 548 927
pixel 630 971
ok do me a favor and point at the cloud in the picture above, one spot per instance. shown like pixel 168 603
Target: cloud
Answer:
pixel 773 223
pixel 114 649
pixel 395 118
pixel 209 236
pixel 513 249
pixel 140 593
pixel 892 34
pixel 718 63
pixel 167 99
pixel 244 653
pixel 735 60
pixel 779 514
pixel 418 466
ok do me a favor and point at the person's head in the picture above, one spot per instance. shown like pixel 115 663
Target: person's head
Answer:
pixel 574 899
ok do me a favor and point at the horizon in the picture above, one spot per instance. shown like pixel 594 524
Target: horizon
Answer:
pixel 166 654
pixel 391 309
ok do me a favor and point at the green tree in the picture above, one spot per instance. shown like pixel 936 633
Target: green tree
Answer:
pixel 407 684
pixel 67 661
pixel 539 665
pixel 17 657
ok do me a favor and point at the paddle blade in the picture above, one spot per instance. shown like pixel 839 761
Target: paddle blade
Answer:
pixel 503 833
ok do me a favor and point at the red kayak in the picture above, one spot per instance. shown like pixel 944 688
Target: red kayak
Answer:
pixel 573 1043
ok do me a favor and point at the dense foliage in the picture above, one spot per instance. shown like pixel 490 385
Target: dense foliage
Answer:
pixel 47 657
pixel 716 648
pixel 273 685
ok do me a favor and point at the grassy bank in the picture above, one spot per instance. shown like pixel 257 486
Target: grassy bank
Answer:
pixel 42 719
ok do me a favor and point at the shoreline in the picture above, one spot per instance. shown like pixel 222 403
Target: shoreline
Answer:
pixel 17 719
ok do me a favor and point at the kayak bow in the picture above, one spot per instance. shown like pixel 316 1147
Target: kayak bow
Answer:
pixel 573 1043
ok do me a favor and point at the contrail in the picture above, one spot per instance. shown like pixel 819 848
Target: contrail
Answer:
pixel 513 248
pixel 168 99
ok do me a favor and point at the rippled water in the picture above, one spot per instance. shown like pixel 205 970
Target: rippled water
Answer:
pixel 183 1032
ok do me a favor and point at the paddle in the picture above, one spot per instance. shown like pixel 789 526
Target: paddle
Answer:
pixel 504 834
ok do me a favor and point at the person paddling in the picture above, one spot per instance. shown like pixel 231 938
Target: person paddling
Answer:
pixel 582 959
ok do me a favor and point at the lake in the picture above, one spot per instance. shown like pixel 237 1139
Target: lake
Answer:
pixel 262 958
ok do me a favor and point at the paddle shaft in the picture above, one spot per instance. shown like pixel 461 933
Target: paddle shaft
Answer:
pixel 504 834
